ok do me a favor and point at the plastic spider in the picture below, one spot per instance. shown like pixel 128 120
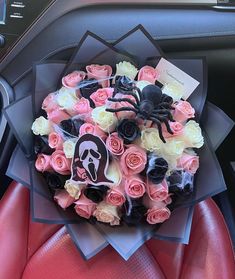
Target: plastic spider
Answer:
pixel 151 104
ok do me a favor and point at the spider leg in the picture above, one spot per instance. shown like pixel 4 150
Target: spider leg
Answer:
pixel 159 126
pixel 122 109
pixel 165 121
pixel 164 111
pixel 166 105
pixel 115 100
pixel 131 94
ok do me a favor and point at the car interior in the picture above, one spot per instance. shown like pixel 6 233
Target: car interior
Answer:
pixel 47 30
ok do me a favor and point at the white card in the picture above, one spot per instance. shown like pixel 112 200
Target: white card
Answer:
pixel 170 74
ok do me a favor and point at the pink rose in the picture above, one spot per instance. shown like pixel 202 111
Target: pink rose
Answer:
pixel 63 199
pixel 116 196
pixel 168 200
pixel 133 160
pixel 107 213
pixel 49 104
pixel 43 163
pixel 100 96
pixel 189 163
pixel 60 163
pixel 84 207
pixel 88 128
pixel 157 215
pixel 100 72
pixel 115 144
pixel 157 192
pixel 176 127
pixel 57 116
pixel 72 80
pixel 135 187
pixel 82 107
pixel 149 74
pixel 55 141
pixel 123 114
pixel 183 111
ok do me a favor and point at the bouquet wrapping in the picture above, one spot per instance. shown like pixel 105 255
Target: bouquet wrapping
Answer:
pixel 103 157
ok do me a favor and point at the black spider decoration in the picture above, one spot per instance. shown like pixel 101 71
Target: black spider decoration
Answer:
pixel 151 104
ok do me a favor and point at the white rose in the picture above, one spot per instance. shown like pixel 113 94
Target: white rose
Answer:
pixel 107 213
pixel 66 98
pixel 173 148
pixel 107 121
pixel 174 91
pixel 114 174
pixel 192 135
pixel 126 69
pixel 150 139
pixel 73 188
pixel 41 126
pixel 69 148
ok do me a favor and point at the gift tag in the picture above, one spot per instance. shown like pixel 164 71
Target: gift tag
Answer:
pixel 91 161
pixel 176 80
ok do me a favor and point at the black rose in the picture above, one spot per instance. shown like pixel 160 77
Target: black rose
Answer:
pixel 88 87
pixel 123 83
pixel 157 168
pixel 41 145
pixel 71 126
pixel 96 193
pixel 55 181
pixel 128 130
pixel 180 183
pixel 134 211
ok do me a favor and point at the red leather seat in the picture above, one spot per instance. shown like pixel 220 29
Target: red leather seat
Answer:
pixel 39 251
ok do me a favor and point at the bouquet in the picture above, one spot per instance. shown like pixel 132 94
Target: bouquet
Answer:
pixel 117 144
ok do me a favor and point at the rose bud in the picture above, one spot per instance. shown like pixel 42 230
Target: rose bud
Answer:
pixel 84 207
pixel 135 187
pixel 63 199
pixel 115 144
pixel 134 211
pixel 55 141
pixel 101 96
pixel 87 87
pixel 180 183
pixel 107 213
pixel 72 79
pixel 157 192
pixel 82 108
pixel 157 215
pixel 183 111
pixel 176 127
pixel 88 128
pixel 157 211
pixel 149 74
pixel 41 145
pixel 116 195
pixel 156 170
pixel 133 160
pixel 95 193
pixel 117 105
pixel 43 163
pixel 57 115
pixel 128 130
pixel 55 181
pixel 71 126
pixel 189 163
pixel 100 72
pixel 50 103
pixel 60 163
